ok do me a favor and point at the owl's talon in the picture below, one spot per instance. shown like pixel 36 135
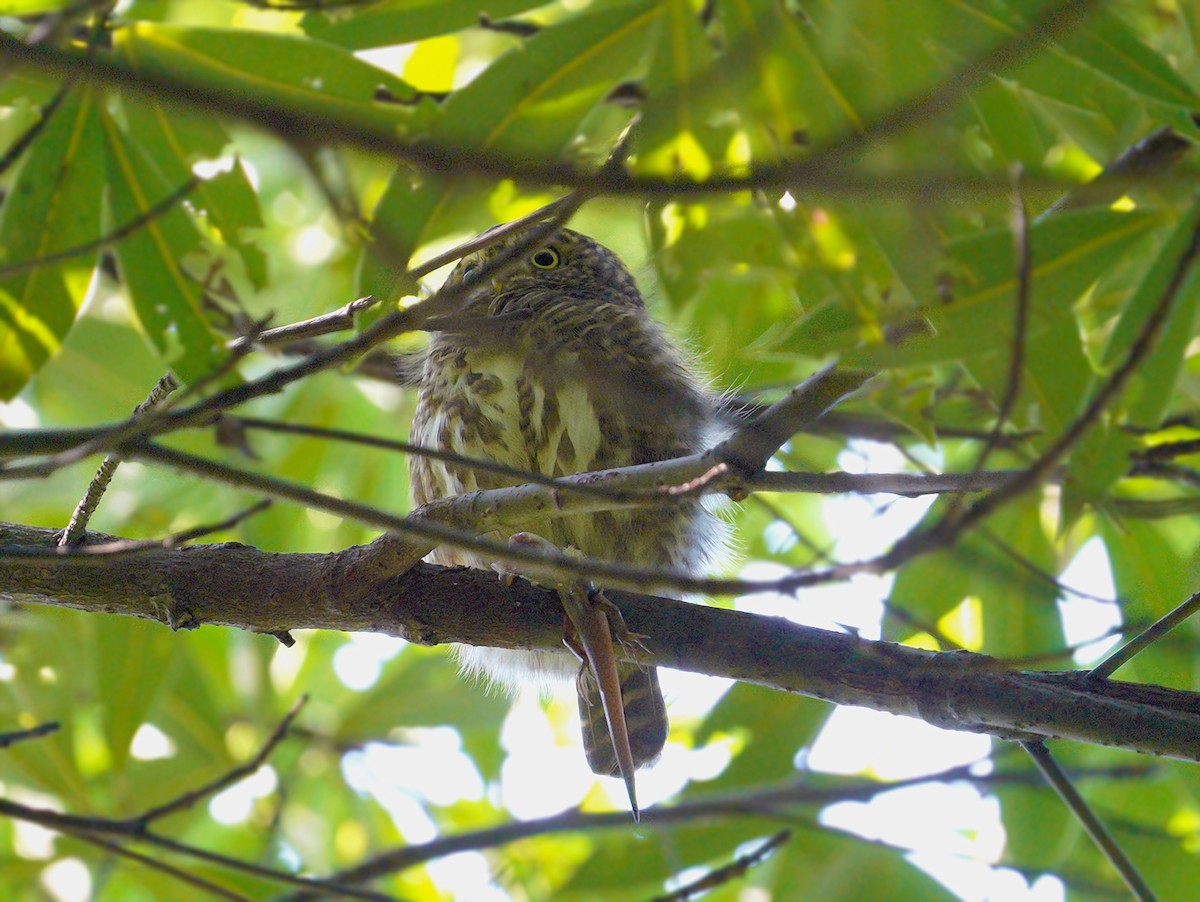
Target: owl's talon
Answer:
pixel 621 634
pixel 506 574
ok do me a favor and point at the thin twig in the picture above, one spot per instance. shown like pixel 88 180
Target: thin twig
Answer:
pixel 335 321
pixel 44 729
pixel 144 218
pixel 157 864
pixel 728 873
pixel 73 534
pixel 1146 638
pixel 1087 818
pixel 100 554
pixel 139 823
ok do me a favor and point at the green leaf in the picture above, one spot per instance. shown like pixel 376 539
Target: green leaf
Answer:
pixel 530 101
pixel 404 211
pixel 173 141
pixel 1106 45
pixel 677 131
pixel 785 91
pixel 1004 570
pixel 1094 466
pixel 772 728
pixel 1014 134
pixel 423 688
pixel 1154 382
pixel 302 76
pixel 832 865
pixel 1153 573
pixel 622 870
pixel 168 302
pixel 404 21
pixel 53 205
pixel 28 7
pixel 1068 252
pixel 132 661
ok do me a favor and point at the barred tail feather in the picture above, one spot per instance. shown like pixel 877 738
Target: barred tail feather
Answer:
pixel 645 720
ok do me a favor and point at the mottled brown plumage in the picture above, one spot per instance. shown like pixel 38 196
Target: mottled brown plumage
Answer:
pixel 557 368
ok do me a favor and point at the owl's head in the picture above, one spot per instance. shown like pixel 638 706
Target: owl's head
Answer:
pixel 569 266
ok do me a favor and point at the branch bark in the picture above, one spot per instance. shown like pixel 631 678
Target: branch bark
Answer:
pixel 244 587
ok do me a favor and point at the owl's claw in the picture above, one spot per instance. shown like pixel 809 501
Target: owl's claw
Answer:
pixel 592 628
pixel 621 634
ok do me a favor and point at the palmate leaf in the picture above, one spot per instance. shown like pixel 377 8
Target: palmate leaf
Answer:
pixel 1102 456
pixel 1107 47
pixel 529 103
pixel 1068 252
pixel 788 97
pixel 53 205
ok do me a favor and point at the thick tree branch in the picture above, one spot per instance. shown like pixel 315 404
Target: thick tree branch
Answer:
pixel 240 586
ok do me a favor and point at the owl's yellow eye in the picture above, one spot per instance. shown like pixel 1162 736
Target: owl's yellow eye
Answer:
pixel 547 258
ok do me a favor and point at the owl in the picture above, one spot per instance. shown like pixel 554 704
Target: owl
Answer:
pixel 557 368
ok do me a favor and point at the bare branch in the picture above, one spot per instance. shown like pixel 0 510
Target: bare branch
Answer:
pixel 1087 818
pixel 728 873
pixel 45 729
pixel 190 798
pixel 1146 638
pixel 244 587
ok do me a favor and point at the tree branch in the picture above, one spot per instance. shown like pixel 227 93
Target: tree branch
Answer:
pixel 236 585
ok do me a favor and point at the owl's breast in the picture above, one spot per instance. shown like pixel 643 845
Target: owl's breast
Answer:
pixel 544 420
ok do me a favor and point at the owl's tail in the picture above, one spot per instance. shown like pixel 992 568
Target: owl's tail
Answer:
pixel 645 720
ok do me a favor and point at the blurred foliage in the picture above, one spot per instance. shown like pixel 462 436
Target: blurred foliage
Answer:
pixel 766 283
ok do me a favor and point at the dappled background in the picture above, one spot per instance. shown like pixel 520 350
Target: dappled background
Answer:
pixel 869 157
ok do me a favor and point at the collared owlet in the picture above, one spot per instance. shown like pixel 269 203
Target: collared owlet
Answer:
pixel 557 368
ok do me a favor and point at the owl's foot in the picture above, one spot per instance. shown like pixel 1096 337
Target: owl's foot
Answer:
pixel 589 632
pixel 621 634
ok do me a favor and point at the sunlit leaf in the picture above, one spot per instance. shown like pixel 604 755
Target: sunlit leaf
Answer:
pixel 304 76
pixel 53 205
pixel 402 21
pixel 167 299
